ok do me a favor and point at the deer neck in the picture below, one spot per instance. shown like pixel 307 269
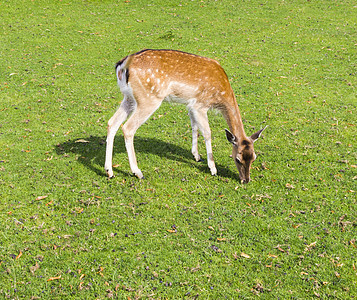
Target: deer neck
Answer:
pixel 234 120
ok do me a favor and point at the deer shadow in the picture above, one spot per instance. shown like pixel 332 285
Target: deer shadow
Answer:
pixel 90 152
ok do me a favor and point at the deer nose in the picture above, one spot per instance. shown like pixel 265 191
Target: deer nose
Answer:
pixel 245 180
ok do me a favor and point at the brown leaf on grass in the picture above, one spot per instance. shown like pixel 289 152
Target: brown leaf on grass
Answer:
pixel 54 278
pixel 155 274
pixel 309 247
pixel 304 273
pixel 289 186
pixel 128 288
pixel 81 141
pixel 244 255
pixel 34 268
pixel 56 65
pixel 20 254
pixel 110 294
pixel 41 197
pixel 259 288
pixel 79 209
pixel 317 294
pixel 344 224
pixel 216 249
pixel 196 268
pixel 296 226
pixel 101 269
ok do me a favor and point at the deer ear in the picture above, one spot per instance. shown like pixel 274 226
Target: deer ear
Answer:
pixel 256 135
pixel 230 137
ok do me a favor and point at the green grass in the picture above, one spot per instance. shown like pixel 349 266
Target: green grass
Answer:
pixel 67 232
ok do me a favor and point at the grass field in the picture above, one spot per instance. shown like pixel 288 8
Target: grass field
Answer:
pixel 67 232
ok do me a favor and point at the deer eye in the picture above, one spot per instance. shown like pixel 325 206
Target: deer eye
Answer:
pixel 238 160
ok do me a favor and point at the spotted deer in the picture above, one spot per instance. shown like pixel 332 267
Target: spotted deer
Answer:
pixel 148 77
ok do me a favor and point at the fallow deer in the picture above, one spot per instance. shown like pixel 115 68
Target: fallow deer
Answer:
pixel 148 77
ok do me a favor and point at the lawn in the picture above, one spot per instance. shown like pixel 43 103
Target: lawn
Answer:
pixel 67 232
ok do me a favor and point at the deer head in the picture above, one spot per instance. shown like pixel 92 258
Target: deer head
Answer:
pixel 243 153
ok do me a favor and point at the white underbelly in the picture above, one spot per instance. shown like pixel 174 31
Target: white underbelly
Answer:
pixel 185 101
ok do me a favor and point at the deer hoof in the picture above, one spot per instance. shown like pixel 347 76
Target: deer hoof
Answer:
pixel 139 174
pixel 214 172
pixel 197 157
pixel 110 173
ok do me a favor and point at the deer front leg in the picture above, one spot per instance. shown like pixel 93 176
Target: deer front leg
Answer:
pixel 210 160
pixel 194 126
pixel 200 115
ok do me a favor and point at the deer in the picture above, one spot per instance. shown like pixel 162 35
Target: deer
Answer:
pixel 148 77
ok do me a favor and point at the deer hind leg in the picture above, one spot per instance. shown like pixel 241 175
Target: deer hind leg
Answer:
pixel 194 126
pixel 200 116
pixel 139 116
pixel 114 123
